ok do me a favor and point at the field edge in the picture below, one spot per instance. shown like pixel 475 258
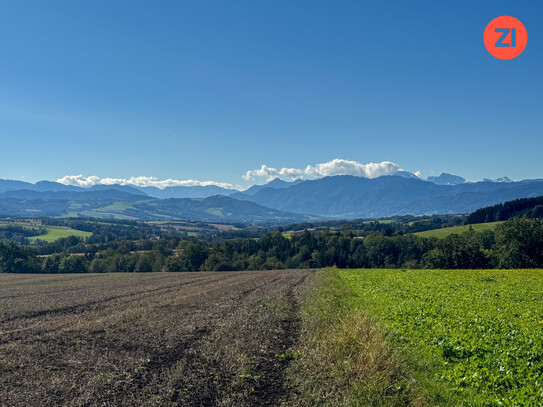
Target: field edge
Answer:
pixel 346 358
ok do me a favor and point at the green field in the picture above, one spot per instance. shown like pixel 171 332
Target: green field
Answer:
pixel 443 232
pixel 478 332
pixel 382 221
pixel 57 232
pixel 53 232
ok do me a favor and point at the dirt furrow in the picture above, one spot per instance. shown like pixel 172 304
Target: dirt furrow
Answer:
pixel 216 339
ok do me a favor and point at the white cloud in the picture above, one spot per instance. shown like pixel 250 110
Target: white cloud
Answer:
pixel 293 173
pixel 79 180
pixel 142 181
pixel 334 167
pixel 346 167
pixel 270 173
pixel 264 172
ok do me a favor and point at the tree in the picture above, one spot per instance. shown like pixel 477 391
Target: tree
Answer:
pixel 464 251
pixel 143 265
pixel 193 255
pixel 173 264
pixel 73 264
pixel 519 243
pixel 51 264
pixel 18 259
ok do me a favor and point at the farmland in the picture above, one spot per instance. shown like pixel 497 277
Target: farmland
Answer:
pixel 443 232
pixel 148 339
pixel 52 232
pixel 280 337
pixel 477 332
pixel 57 232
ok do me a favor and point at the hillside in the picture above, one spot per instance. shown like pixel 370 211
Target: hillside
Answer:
pixel 120 204
pixel 530 207
pixel 443 232
pixel 352 197
pixel 274 184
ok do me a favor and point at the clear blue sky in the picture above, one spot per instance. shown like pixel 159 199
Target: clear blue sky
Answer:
pixel 210 89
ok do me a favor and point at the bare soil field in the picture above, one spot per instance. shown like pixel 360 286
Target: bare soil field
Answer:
pixel 186 339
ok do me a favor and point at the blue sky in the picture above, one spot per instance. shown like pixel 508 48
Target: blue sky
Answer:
pixel 208 90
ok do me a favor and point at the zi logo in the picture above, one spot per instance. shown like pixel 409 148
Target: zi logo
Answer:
pixel 505 31
pixel 505 37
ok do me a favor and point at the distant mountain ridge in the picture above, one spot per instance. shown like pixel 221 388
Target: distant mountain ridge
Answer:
pixel 345 196
pixel 341 196
pixel 276 183
pixel 447 179
pixel 196 191
pixel 168 192
pixel 119 204
pixel 85 195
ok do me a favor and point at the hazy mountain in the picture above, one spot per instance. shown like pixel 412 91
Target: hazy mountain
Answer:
pixel 276 183
pixel 406 174
pixel 502 179
pixel 447 179
pixel 78 195
pixel 212 209
pixel 333 197
pixel 119 204
pixel 168 192
pixel 186 192
pixel 53 187
pixel 10 185
pixel 347 196
pixel 125 188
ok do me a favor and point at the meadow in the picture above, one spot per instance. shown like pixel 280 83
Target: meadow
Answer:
pixel 57 232
pixel 444 232
pixel 478 332
pixel 52 232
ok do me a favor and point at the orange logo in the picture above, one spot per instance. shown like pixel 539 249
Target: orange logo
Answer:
pixel 505 37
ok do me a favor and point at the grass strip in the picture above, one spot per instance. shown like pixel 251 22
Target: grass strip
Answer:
pixel 347 358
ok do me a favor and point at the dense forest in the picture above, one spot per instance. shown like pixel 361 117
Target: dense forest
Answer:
pixel 529 207
pixel 515 243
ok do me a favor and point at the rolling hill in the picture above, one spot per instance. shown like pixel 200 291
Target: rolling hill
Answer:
pixel 443 232
pixel 120 204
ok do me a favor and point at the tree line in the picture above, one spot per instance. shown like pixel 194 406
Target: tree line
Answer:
pixel 516 243
pixel 528 207
pixel 19 234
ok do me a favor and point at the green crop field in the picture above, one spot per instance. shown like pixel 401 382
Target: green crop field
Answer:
pixel 443 232
pixel 381 221
pixel 53 232
pixel 478 332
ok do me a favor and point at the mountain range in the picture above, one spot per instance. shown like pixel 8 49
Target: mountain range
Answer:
pixel 345 196
pixel 341 196
pixel 168 192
